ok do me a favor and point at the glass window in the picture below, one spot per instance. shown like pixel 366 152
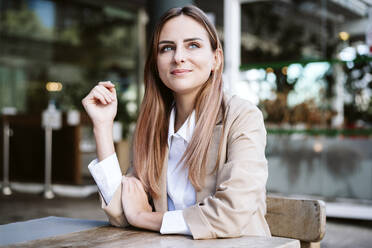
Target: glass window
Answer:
pixel 74 43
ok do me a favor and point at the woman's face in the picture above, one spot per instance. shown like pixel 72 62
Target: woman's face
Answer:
pixel 185 58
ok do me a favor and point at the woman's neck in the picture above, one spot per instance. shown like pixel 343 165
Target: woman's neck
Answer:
pixel 184 107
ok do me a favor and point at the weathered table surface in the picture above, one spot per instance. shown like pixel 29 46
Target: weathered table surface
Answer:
pixel 107 236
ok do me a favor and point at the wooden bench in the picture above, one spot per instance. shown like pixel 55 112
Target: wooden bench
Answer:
pixel 300 219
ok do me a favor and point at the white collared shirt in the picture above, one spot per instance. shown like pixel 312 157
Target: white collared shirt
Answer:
pixel 180 192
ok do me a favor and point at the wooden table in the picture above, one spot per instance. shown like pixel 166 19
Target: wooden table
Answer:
pixel 107 236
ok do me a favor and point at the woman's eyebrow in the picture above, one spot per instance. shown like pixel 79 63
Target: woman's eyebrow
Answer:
pixel 185 40
pixel 192 39
pixel 166 42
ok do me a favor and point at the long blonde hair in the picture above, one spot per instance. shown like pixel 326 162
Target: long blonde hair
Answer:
pixel 151 134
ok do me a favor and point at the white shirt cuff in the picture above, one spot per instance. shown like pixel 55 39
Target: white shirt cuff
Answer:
pixel 107 175
pixel 174 223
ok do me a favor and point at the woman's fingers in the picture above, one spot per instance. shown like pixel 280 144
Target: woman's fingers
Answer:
pixel 98 96
pixel 101 92
pixel 109 86
pixel 104 92
pixel 113 92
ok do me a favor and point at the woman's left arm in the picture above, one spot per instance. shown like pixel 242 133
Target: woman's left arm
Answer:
pixel 238 205
pixel 240 188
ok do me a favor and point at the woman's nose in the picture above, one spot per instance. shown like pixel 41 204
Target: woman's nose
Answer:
pixel 179 56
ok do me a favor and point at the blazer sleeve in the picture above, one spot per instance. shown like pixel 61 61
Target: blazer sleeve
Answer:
pixel 114 209
pixel 241 184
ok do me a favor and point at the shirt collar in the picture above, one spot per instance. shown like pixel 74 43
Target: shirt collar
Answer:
pixel 186 130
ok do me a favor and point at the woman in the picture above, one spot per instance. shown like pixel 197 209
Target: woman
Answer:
pixel 199 166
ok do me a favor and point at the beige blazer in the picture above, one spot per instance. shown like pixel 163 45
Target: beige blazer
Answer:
pixel 233 201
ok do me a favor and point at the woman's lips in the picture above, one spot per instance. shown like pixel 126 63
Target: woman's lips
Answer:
pixel 180 71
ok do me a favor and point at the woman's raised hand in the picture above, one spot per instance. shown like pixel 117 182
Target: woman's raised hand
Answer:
pixel 101 103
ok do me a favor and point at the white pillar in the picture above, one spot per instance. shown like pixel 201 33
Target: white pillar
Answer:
pixel 369 31
pixel 232 33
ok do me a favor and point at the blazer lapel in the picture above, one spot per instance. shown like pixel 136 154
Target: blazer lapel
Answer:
pixel 211 178
pixel 161 203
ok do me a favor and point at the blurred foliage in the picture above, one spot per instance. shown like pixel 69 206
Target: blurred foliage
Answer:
pixel 70 35
pixel 293 39
pixel 24 22
pixel 71 95
pixel 358 82
pixel 295 42
pixel 85 45
pixel 277 111
pixel 127 118
pixel 324 132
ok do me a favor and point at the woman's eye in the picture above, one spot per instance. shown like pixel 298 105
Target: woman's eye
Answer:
pixel 193 45
pixel 166 49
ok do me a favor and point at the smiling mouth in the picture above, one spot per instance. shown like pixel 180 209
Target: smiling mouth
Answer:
pixel 180 71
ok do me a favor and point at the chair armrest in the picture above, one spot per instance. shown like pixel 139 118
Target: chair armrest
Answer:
pixel 296 218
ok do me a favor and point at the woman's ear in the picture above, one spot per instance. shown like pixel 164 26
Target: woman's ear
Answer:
pixel 217 59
